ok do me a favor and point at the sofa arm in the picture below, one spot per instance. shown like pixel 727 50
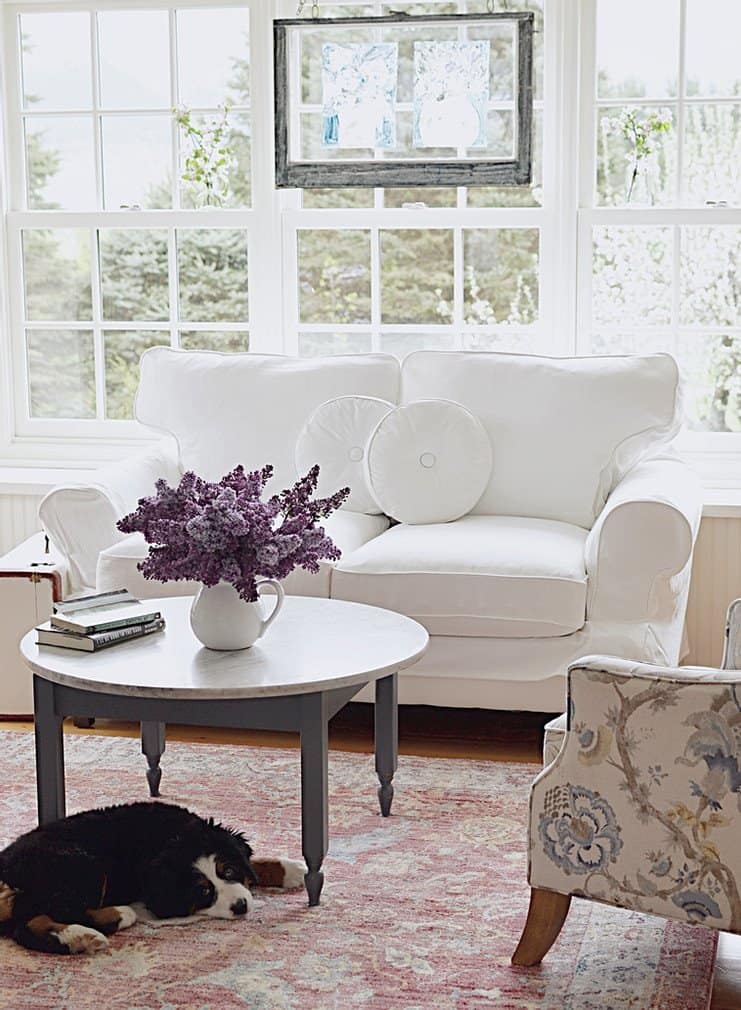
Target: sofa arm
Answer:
pixel 642 543
pixel 640 808
pixel 81 518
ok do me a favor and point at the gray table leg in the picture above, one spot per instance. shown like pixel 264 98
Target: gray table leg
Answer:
pixel 314 789
pixel 49 753
pixel 387 738
pixel 153 747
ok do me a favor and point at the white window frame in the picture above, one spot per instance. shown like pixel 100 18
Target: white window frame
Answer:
pixel 25 440
pixel 565 221
pixel 716 455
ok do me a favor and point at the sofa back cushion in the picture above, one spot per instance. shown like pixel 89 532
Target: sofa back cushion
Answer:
pixel 563 431
pixel 225 409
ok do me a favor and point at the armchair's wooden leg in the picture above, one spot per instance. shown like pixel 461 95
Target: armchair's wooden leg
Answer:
pixel 545 917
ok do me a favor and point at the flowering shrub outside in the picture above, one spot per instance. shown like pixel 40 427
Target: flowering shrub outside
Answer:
pixel 225 531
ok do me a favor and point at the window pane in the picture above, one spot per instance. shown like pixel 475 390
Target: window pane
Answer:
pixel 710 292
pixel 430 196
pixel 712 153
pixel 137 161
pixel 334 276
pixel 712 372
pixel 227 186
pixel 134 59
pixel 56 274
pixel 61 373
pixel 133 273
pixel 417 276
pixel 713 31
pixel 60 167
pixel 503 340
pixel 312 344
pixel 402 344
pixel 515 196
pixel 500 275
pixel 123 348
pixel 214 340
pixel 632 275
pixel 56 61
pixel 339 197
pixel 623 179
pixel 213 56
pixel 637 48
pixel 212 274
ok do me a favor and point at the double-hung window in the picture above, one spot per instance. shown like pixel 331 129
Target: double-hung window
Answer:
pixel 660 235
pixel 112 244
pixel 120 114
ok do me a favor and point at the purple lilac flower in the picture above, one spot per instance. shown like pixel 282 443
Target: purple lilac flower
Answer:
pixel 225 531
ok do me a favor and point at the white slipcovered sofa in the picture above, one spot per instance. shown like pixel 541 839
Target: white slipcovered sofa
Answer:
pixel 580 543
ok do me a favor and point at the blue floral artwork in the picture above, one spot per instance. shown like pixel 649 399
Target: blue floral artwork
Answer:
pixel 451 94
pixel 359 94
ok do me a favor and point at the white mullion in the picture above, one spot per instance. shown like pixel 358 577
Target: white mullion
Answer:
pixel 400 218
pixel 12 87
pixel 97 119
pixel 375 276
pixel 174 103
pixel 681 108
pixel 172 286
pixel 458 267
pixel 676 272
pixel 98 338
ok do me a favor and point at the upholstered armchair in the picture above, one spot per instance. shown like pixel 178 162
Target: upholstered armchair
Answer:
pixel 642 806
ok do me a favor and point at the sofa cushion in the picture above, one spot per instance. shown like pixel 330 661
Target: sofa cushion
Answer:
pixel 486 576
pixel 117 566
pixel 563 431
pixel 335 437
pixel 225 409
pixel 428 462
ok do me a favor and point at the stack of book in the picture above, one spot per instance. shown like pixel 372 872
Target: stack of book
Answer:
pixel 96 622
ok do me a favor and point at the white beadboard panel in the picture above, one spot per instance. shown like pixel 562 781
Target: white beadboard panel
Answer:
pixel 18 519
pixel 716 582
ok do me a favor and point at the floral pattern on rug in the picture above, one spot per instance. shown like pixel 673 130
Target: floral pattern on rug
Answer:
pixel 420 911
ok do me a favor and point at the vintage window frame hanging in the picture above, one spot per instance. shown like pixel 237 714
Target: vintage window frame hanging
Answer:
pixel 313 174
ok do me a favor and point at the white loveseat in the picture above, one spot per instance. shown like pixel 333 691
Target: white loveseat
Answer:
pixel 581 542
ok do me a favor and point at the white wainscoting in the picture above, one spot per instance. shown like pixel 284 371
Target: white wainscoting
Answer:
pixel 716 581
pixel 716 574
pixel 18 518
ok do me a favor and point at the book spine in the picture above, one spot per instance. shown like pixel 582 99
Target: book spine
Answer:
pixel 104 626
pixel 102 640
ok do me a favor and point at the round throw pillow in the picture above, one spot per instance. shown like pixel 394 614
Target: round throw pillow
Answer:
pixel 428 462
pixel 335 437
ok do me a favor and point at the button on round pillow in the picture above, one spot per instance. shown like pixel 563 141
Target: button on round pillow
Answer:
pixel 428 462
pixel 335 437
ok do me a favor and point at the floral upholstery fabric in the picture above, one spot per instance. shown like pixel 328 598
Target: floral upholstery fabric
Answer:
pixel 642 807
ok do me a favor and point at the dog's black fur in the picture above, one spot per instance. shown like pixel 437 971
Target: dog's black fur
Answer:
pixel 74 870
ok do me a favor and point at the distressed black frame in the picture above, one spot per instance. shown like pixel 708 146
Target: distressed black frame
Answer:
pixel 515 171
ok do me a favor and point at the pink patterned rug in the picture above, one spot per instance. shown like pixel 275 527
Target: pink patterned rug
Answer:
pixel 420 911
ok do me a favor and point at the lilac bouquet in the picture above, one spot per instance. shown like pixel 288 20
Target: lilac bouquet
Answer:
pixel 211 532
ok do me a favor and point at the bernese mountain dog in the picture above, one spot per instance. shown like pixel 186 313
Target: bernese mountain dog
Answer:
pixel 66 886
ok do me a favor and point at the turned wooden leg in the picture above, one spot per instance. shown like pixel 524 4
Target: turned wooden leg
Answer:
pixel 545 917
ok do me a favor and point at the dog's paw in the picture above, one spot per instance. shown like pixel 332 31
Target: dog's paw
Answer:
pixel 128 916
pixel 82 940
pixel 293 873
pixel 7 900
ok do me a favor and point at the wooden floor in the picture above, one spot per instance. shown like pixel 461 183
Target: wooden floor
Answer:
pixel 429 732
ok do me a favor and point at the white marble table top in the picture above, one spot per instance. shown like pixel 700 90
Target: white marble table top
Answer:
pixel 314 645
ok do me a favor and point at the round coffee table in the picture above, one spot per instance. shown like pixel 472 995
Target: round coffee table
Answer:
pixel 315 657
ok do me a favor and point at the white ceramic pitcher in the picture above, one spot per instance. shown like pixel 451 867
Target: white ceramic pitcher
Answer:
pixel 222 620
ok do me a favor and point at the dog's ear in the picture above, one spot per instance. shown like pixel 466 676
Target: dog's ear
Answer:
pixel 167 883
pixel 244 849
